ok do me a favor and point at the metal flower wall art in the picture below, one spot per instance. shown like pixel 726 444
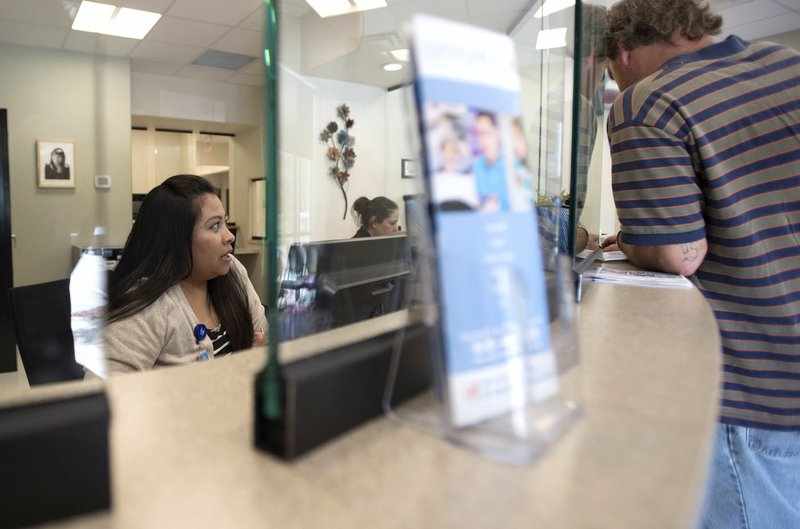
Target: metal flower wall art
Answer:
pixel 341 149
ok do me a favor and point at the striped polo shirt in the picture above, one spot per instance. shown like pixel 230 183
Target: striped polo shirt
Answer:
pixel 709 146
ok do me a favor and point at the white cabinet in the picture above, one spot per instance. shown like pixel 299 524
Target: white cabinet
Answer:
pixel 258 208
pixel 142 162
pixel 158 154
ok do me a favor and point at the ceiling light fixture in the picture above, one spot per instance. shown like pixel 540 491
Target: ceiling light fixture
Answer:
pixel 400 54
pixel 393 67
pixel 551 38
pixel 553 6
pixel 332 8
pixel 112 20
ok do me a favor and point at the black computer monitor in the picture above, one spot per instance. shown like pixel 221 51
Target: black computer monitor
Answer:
pixel 415 209
pixel 328 284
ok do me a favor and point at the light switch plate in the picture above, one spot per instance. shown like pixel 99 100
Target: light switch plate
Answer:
pixel 102 181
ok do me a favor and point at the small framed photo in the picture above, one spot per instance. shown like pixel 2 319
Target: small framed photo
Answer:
pixel 55 163
pixel 408 168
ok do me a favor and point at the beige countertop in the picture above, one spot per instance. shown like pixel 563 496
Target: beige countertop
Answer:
pixel 183 456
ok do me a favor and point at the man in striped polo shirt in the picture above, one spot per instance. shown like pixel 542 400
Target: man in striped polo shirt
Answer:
pixel 705 145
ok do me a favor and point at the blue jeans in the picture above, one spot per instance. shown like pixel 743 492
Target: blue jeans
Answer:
pixel 754 480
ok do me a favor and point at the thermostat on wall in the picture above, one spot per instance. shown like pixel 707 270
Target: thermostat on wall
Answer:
pixel 102 181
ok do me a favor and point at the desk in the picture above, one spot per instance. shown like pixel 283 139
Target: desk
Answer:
pixel 182 451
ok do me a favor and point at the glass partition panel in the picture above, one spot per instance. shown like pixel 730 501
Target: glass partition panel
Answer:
pixel 94 123
pixel 590 151
pixel 562 94
pixel 346 130
pixel 127 114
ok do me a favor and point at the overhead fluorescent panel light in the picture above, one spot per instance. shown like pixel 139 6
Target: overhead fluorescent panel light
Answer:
pixel 332 8
pixel 553 6
pixel 112 20
pixel 551 38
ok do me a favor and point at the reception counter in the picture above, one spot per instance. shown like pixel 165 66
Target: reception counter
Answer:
pixel 182 443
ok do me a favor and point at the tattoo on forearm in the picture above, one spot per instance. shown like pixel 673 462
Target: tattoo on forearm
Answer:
pixel 690 252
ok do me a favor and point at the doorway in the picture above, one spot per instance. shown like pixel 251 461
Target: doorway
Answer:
pixel 8 351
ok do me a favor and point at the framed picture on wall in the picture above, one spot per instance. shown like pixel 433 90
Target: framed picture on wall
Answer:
pixel 55 163
pixel 408 168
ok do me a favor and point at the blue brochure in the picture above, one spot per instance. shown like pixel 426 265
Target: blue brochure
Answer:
pixel 495 324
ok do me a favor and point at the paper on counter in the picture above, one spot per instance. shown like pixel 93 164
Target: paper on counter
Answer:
pixel 644 278
pixel 605 256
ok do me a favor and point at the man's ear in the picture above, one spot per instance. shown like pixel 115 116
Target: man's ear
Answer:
pixel 624 56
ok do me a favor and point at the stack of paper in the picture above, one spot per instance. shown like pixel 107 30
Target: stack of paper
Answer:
pixel 637 277
pixel 603 256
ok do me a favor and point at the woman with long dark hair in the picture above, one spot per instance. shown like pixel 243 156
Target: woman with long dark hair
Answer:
pixel 178 294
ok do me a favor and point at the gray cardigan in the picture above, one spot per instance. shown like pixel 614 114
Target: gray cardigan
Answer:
pixel 163 333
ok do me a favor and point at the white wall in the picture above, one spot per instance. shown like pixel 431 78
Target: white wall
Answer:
pixel 307 105
pixel 194 99
pixel 368 175
pixel 53 94
pixel 401 142
pixel 600 214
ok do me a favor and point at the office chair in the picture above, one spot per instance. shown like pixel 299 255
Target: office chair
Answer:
pixel 42 325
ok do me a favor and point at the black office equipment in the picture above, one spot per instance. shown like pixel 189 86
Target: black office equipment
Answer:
pixel 328 394
pixel 54 459
pixel 42 326
pixel 328 284
pixel 8 354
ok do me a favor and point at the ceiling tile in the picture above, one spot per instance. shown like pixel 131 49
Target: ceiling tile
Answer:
pixel 254 68
pixel 452 9
pixel 748 12
pixel 160 68
pixel 255 22
pixel 99 44
pixel 172 54
pixel 223 59
pixel 241 41
pixel 717 5
pixel 155 6
pixel 32 34
pixel 204 72
pixel 500 22
pixel 228 12
pixel 187 32
pixel 481 8
pixel 294 8
pixel 190 27
pixel 764 27
pixel 44 12
pixel 243 78
pixel 792 5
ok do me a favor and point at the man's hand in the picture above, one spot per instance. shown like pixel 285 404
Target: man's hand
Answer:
pixel 610 244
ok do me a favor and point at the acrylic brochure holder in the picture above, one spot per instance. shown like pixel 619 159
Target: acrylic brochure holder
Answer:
pixel 503 351
pixel 539 397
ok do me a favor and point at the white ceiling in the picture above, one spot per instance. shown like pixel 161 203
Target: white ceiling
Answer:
pixel 188 28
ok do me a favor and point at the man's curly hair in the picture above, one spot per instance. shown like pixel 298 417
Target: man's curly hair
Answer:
pixel 634 23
